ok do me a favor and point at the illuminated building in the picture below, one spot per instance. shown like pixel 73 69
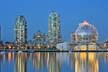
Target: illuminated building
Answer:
pixel 30 44
pixel 106 44
pixel 20 30
pixel 39 39
pixel 85 33
pixel 54 35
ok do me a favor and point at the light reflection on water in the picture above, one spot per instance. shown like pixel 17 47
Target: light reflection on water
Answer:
pixel 54 62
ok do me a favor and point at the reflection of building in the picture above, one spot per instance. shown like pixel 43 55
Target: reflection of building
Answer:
pixel 9 55
pixel 86 62
pixel 85 33
pixel 53 65
pixel 39 61
pixel 20 63
pixel 39 39
pixel 54 35
pixel 43 60
pixel 106 56
pixel 36 60
pixel 20 30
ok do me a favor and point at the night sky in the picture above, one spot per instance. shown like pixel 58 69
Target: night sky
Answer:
pixel 36 12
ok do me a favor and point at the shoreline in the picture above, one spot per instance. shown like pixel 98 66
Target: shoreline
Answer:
pixel 70 51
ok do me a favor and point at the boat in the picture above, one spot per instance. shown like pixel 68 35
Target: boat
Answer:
pixel 20 51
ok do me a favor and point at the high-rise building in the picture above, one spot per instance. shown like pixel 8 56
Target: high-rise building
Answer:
pixel 1 42
pixel 20 30
pixel 54 35
pixel 0 33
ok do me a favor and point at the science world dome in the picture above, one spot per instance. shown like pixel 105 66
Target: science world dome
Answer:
pixel 85 33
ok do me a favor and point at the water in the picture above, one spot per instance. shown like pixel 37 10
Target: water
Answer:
pixel 54 62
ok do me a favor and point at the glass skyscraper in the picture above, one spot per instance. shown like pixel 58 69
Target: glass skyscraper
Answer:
pixel 20 30
pixel 0 33
pixel 54 35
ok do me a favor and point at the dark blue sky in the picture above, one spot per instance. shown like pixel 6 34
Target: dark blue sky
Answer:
pixel 72 12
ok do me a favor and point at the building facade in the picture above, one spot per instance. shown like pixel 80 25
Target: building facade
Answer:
pixel 0 33
pixel 85 33
pixel 20 30
pixel 39 39
pixel 54 35
pixel 1 42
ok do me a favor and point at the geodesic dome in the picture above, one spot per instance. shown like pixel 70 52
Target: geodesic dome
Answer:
pixel 86 33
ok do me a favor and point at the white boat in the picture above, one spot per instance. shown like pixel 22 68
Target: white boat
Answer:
pixel 19 51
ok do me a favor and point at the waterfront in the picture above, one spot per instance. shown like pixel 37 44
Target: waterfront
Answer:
pixel 54 62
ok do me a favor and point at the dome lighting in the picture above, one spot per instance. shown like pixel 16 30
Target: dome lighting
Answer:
pixel 85 33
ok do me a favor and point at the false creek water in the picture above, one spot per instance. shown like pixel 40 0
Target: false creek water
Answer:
pixel 54 62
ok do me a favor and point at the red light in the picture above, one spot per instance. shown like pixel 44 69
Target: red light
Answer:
pixel 85 22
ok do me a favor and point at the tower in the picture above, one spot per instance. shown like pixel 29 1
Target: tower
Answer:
pixel 54 35
pixel 20 30
pixel 0 33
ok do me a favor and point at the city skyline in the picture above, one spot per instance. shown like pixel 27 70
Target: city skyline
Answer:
pixel 36 14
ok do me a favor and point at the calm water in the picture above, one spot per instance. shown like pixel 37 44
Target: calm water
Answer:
pixel 54 62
